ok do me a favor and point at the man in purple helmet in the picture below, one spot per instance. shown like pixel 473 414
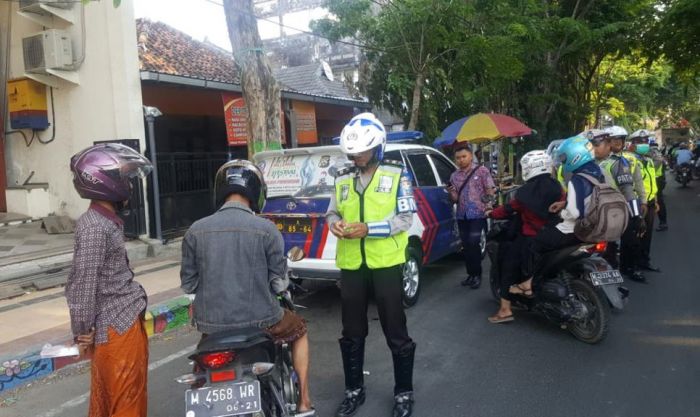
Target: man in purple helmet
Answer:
pixel 106 304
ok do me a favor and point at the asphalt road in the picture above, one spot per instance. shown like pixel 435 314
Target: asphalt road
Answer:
pixel 648 366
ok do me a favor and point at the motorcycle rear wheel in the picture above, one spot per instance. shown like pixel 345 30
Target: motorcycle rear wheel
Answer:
pixel 595 327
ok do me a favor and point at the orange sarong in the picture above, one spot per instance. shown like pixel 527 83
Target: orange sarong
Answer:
pixel 119 373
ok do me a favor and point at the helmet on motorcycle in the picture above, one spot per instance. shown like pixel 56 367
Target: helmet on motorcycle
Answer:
pixel 104 171
pixel 574 153
pixel 362 133
pixel 616 132
pixel 535 163
pixel 240 177
pixel 640 136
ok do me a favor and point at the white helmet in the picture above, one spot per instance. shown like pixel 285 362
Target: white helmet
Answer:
pixel 595 134
pixel 616 132
pixel 362 133
pixel 535 163
pixel 640 134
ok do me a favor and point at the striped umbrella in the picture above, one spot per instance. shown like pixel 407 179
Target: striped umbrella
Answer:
pixel 482 127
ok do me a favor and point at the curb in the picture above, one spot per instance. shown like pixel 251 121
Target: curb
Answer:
pixel 161 318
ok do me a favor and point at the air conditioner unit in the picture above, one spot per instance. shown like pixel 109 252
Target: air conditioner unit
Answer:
pixel 34 5
pixel 50 49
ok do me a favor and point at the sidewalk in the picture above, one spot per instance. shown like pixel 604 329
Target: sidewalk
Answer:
pixel 30 321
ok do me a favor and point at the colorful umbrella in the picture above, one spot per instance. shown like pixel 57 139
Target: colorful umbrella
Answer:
pixel 482 127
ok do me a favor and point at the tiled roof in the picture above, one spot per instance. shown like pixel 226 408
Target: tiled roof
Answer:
pixel 166 50
pixel 310 79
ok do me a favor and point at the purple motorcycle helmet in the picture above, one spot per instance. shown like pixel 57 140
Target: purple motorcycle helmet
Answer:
pixel 104 171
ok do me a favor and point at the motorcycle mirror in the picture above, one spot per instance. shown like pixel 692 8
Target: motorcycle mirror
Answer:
pixel 296 254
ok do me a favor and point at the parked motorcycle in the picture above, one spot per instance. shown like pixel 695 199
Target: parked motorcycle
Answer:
pixel 577 290
pixel 684 174
pixel 243 372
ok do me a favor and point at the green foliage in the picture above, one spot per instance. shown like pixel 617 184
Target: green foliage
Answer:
pixel 557 65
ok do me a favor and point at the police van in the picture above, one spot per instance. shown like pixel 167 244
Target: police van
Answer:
pixel 300 184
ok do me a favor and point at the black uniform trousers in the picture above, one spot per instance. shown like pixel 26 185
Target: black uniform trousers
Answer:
pixel 663 216
pixel 387 286
pixel 630 247
pixel 645 242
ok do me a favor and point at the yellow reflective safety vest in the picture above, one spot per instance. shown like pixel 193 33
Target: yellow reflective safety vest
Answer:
pixel 377 203
pixel 560 177
pixel 649 176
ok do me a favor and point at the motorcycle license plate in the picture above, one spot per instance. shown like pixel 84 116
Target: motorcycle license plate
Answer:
pixel 223 400
pixel 606 278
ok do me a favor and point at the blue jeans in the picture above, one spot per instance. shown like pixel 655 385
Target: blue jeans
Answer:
pixel 470 233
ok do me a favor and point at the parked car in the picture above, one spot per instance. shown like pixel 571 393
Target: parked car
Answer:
pixel 300 183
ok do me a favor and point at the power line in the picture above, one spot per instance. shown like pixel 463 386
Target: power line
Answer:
pixel 301 30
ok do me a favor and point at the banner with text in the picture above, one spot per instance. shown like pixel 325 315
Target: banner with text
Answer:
pixel 235 115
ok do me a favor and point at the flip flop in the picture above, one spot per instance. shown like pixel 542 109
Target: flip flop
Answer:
pixel 498 319
pixel 307 413
pixel 525 292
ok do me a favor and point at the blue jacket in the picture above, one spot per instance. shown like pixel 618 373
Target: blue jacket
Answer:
pixel 583 187
pixel 233 261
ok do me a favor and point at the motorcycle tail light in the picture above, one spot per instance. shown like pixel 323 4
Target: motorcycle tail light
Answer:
pixel 599 247
pixel 216 360
pixel 221 376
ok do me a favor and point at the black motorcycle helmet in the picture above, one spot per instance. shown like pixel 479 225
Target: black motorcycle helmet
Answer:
pixel 240 177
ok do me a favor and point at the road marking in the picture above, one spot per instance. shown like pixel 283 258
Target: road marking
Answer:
pixel 84 397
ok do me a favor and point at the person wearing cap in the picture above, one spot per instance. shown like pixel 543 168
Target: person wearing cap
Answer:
pixel 640 146
pixel 632 186
pixel 660 166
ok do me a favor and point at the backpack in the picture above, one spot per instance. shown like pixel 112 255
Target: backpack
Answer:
pixel 606 216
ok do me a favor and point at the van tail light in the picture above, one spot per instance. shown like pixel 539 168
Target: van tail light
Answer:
pixel 599 247
pixel 216 360
pixel 222 376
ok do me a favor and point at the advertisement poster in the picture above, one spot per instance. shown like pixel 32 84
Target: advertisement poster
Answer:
pixel 235 114
pixel 305 114
pixel 301 175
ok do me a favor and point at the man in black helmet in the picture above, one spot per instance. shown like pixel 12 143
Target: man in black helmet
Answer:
pixel 233 260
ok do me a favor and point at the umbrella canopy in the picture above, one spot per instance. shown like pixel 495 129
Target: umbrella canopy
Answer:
pixel 482 127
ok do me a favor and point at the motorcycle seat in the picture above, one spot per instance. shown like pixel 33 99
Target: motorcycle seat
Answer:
pixel 234 339
pixel 556 259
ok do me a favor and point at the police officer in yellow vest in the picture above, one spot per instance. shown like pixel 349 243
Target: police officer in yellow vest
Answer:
pixel 630 247
pixel 640 146
pixel 370 214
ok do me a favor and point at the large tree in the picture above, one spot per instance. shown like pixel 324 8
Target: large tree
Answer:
pixel 260 90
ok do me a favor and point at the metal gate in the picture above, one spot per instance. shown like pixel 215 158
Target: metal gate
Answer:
pixel 186 188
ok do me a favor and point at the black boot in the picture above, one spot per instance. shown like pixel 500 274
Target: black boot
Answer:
pixel 403 379
pixel 353 352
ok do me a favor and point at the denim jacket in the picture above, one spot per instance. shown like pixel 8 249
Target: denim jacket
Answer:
pixel 233 261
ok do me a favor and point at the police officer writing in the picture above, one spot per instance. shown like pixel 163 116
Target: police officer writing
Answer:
pixel 370 213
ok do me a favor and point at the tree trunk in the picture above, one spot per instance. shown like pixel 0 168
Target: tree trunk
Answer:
pixel 260 90
pixel 415 105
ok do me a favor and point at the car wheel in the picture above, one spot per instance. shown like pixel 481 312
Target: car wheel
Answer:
pixel 411 276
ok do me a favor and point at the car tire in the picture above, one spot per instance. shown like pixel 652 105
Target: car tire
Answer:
pixel 411 275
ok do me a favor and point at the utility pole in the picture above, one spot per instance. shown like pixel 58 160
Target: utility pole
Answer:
pixel 260 90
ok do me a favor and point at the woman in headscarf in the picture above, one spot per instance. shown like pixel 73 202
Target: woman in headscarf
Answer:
pixel 532 204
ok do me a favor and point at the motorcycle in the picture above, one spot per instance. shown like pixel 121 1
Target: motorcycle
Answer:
pixel 243 372
pixel 577 291
pixel 684 175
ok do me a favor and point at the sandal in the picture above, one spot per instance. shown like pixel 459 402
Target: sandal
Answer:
pixel 501 319
pixel 308 413
pixel 519 290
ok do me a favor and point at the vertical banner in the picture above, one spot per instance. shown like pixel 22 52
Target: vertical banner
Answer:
pixel 236 115
pixel 305 114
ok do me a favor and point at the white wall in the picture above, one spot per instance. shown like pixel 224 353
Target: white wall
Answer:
pixel 106 105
